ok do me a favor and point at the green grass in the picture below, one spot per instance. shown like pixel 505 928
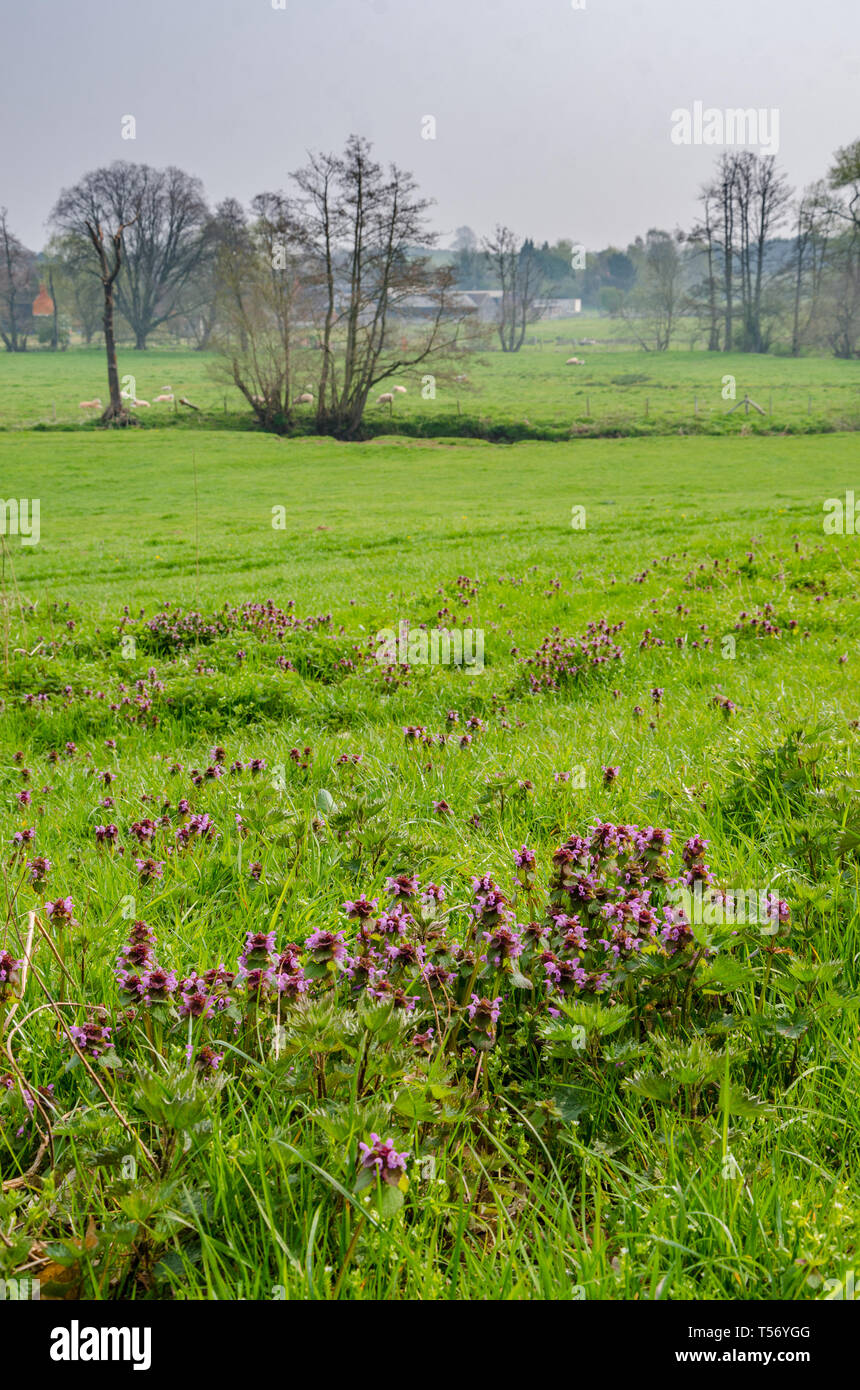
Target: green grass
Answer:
pixel 705 1150
pixel 621 390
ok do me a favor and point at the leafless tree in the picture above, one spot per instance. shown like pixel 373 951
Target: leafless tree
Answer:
pixel 653 305
pixel 85 210
pixel 360 227
pixel 705 296
pixel 844 181
pixel 515 266
pixel 16 267
pixel 261 268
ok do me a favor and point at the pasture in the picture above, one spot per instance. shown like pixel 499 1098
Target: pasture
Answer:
pixel 198 732
pixel 620 390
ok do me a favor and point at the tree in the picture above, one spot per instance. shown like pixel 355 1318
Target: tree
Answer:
pixel 260 270
pixel 813 230
pixel 164 213
pixel 844 178
pixel 359 227
pixel 16 274
pixel 74 272
pixel 654 304
pixel 164 245
pixel 467 262
pixel 704 296
pixel 87 210
pixel 515 268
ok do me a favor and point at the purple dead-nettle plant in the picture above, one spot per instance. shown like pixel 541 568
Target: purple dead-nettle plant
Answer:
pixel 92 1039
pixel 379 1157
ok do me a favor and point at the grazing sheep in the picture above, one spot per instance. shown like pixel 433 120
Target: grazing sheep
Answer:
pixel 146 403
pixel 461 377
pixel 168 396
pixel 304 399
pixel 401 390
pixel 387 398
pixel 90 405
pixel 575 362
pixel 258 400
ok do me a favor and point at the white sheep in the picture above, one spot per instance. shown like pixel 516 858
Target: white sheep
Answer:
pixel 90 405
pixel 166 396
pixel 387 398
pixel 575 362
pixel 401 390
pixel 304 399
pixel 146 403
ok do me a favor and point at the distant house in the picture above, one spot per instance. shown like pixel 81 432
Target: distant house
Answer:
pixel 558 308
pixel 484 303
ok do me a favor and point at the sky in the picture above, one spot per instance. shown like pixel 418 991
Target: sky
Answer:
pixel 552 116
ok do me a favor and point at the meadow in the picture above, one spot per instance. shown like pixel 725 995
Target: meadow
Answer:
pixel 332 977
pixel 506 397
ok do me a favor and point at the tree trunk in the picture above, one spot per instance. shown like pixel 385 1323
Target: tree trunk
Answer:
pixel 116 413
pixel 55 331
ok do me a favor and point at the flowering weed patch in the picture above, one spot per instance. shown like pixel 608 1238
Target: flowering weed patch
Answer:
pixel 326 977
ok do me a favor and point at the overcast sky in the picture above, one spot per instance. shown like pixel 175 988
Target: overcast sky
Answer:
pixel 553 119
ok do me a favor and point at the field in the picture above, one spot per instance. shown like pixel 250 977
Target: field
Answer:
pixel 620 390
pixel 671 1115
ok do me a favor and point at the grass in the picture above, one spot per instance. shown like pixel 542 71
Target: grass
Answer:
pixel 621 390
pixel 703 1149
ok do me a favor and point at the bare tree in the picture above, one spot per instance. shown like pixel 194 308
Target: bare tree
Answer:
pixel 85 210
pixel 844 178
pixel 705 296
pixel 164 244
pixel 260 271
pixel 16 265
pixel 516 269
pixel 360 227
pixel 653 305
pixel 813 230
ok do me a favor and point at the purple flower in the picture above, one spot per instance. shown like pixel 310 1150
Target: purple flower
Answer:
pixel 326 946
pixel 402 886
pixel 362 908
pixel 149 869
pixel 157 985
pixel 484 1012
pixel 62 911
pixel 10 971
pixel 91 1038
pixel 382 1155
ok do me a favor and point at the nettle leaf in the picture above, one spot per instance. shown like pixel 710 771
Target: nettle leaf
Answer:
pixel 723 975
pixel 738 1101
pixel 570 1103
pixel 414 1106
pixel 658 1088
pixel 388 1199
pixel 325 802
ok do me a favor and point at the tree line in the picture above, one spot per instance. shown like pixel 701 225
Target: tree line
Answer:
pixel 321 291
